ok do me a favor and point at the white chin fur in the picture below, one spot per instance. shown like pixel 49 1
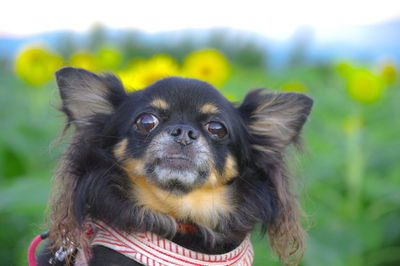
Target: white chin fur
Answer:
pixel 184 176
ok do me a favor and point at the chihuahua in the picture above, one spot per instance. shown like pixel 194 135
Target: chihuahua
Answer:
pixel 174 174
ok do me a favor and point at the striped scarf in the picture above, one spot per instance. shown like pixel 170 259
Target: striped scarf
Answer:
pixel 150 249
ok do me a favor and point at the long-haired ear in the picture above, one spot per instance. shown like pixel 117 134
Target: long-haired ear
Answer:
pixel 275 117
pixel 273 121
pixel 85 94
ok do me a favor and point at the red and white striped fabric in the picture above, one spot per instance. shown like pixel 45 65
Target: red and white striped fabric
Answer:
pixel 150 249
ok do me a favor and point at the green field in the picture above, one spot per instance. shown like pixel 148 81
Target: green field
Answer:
pixel 349 174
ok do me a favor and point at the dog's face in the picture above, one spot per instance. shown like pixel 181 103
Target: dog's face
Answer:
pixel 179 136
pixel 177 149
pixel 182 152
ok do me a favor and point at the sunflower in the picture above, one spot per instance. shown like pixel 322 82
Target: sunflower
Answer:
pixel 364 86
pixel 208 65
pixel 140 73
pixel 36 65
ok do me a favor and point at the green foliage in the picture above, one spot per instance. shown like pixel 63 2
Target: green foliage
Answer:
pixel 350 177
pixel 28 126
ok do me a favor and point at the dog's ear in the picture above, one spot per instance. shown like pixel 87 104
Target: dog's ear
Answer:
pixel 85 94
pixel 275 120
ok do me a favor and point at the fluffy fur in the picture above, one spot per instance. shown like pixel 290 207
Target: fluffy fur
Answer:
pixel 116 172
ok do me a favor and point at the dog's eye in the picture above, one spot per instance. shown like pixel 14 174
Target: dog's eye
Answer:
pixel 146 122
pixel 216 129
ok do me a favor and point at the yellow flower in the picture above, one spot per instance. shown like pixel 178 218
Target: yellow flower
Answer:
pixel 389 74
pixel 294 86
pixel 108 58
pixel 208 65
pixel 36 65
pixel 84 60
pixel 140 73
pixel 363 86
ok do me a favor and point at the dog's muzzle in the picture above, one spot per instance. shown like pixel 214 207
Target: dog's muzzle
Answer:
pixel 178 160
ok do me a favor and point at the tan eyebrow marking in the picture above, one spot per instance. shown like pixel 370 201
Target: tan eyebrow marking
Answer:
pixel 159 104
pixel 209 108
pixel 120 149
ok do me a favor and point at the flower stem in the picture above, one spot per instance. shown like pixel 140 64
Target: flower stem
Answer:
pixel 355 166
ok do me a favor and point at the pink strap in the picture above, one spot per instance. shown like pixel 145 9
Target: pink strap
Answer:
pixel 32 249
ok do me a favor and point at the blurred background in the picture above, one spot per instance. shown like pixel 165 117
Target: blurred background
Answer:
pixel 346 56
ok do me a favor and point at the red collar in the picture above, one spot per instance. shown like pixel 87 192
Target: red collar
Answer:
pixel 186 228
pixel 150 249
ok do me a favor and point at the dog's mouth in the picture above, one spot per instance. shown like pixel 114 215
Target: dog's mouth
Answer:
pixel 178 162
pixel 177 173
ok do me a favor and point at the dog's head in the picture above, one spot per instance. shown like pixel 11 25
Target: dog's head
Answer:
pixel 178 151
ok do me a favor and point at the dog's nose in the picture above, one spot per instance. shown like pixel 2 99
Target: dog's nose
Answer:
pixel 184 134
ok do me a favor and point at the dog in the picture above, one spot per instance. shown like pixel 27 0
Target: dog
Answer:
pixel 175 163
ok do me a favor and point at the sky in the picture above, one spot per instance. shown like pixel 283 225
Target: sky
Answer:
pixel 273 19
